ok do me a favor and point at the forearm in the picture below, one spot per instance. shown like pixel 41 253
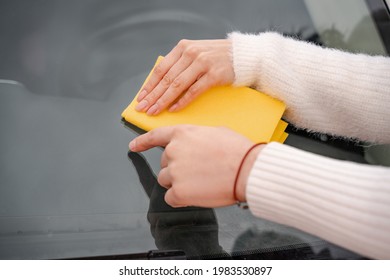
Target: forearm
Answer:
pixel 325 90
pixel 345 203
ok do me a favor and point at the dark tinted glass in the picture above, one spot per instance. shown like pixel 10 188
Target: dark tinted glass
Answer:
pixel 68 187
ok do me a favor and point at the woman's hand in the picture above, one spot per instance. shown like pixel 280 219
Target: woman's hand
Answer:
pixel 199 164
pixel 189 69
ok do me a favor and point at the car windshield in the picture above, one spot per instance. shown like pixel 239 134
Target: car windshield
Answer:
pixel 69 188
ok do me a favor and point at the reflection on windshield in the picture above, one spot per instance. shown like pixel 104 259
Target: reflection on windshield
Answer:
pixel 346 25
pixel 192 229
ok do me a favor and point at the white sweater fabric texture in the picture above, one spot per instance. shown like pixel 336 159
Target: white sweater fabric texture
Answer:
pixel 328 91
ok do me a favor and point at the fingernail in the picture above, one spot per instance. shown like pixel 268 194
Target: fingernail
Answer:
pixel 142 105
pixel 152 110
pixel 173 108
pixel 141 95
pixel 132 145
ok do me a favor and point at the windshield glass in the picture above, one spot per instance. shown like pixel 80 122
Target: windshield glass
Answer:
pixel 69 188
pixel 347 25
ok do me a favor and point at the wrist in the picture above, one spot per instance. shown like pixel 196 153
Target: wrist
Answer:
pixel 245 171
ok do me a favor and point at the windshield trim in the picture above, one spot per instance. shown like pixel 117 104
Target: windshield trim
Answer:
pixel 380 13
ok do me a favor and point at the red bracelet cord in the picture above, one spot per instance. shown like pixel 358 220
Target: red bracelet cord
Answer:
pixel 240 167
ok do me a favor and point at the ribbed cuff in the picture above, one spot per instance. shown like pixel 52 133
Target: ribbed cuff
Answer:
pixel 246 62
pixel 340 201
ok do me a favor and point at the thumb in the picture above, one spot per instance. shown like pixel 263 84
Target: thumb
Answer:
pixel 154 138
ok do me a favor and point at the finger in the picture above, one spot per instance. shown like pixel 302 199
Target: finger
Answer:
pixel 159 137
pixel 164 160
pixel 164 178
pixel 169 80
pixel 183 81
pixel 203 84
pixel 172 199
pixel 159 71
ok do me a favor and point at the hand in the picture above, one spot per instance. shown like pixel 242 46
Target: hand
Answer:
pixel 199 164
pixel 190 68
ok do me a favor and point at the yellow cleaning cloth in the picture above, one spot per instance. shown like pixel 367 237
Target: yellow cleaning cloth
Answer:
pixel 279 130
pixel 245 110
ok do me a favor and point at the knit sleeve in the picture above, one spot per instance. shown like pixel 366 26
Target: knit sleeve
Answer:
pixel 325 90
pixel 345 203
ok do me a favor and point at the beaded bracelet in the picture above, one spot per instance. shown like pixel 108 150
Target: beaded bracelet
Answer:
pixel 240 204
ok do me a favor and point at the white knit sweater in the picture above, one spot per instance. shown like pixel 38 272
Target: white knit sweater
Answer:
pixel 329 91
